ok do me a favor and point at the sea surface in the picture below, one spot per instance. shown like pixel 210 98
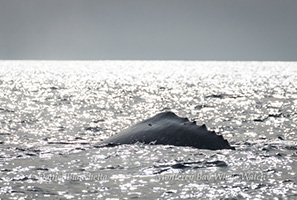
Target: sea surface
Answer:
pixel 52 114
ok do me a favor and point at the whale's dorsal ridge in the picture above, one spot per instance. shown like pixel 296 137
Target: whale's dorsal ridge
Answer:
pixel 167 114
pixel 203 126
pixel 169 129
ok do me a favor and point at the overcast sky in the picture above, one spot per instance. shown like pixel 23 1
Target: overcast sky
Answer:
pixel 149 29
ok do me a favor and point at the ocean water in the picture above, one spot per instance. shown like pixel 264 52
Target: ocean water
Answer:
pixel 52 113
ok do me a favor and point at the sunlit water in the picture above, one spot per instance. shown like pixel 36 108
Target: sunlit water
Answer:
pixel 53 113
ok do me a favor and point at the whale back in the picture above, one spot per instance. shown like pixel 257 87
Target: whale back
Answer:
pixel 168 129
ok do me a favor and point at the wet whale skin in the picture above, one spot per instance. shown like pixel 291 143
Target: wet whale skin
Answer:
pixel 168 129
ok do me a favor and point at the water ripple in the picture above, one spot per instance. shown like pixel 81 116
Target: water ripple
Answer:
pixel 52 113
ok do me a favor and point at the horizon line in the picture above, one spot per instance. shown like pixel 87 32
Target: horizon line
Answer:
pixel 162 60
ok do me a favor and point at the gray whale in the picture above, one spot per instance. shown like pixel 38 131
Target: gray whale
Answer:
pixel 168 129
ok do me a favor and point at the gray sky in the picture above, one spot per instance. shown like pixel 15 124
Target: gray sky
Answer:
pixel 149 29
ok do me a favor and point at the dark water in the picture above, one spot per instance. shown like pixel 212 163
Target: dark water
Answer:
pixel 52 114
